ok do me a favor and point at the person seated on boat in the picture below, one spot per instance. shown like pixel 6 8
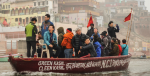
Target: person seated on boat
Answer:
pixel 87 49
pixel 50 39
pixel 109 40
pixel 78 40
pixel 67 43
pixel 97 45
pixel 124 47
pixel 104 43
pixel 115 48
pixel 120 48
pixel 61 33
pixel 95 32
pixel 39 49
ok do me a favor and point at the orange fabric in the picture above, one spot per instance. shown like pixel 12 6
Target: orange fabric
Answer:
pixel 120 50
pixel 67 40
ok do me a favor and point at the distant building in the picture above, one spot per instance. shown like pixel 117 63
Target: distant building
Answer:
pixel 78 11
pixel 141 3
pixel 20 12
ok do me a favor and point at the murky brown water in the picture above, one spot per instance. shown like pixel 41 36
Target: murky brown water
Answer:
pixel 137 67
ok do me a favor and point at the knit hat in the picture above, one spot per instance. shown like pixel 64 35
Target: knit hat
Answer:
pixel 69 29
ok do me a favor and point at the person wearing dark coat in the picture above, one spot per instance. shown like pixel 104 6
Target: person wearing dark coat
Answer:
pixel 112 30
pixel 78 40
pixel 115 48
pixel 91 31
pixel 87 49
pixel 61 33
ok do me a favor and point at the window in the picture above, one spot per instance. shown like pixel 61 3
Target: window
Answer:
pixel 38 3
pixel 34 3
pixel 16 19
pixel 43 3
pixel 3 7
pixel 142 3
pixel 47 2
pixel 8 6
pixel 73 8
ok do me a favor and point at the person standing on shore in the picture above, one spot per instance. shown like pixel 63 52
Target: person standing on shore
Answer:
pixel 31 31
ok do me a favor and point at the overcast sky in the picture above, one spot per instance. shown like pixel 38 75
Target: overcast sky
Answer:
pixel 147 4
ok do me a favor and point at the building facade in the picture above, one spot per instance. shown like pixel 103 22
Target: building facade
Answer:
pixel 20 12
pixel 78 11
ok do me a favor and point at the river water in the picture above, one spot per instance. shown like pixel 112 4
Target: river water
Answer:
pixel 137 67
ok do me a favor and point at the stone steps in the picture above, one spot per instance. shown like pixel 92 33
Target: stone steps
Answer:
pixel 2 52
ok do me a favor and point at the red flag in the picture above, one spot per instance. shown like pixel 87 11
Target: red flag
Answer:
pixel 127 18
pixel 90 22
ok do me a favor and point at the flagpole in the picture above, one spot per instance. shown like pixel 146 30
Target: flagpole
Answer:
pixel 130 26
pixel 128 29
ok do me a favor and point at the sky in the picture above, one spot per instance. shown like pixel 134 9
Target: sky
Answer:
pixel 147 4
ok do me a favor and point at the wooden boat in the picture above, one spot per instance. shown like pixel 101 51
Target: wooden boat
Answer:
pixel 70 65
pixel 5 58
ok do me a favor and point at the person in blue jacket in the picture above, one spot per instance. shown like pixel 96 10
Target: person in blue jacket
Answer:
pixel 95 32
pixel 125 47
pixel 45 24
pixel 50 39
pixel 97 45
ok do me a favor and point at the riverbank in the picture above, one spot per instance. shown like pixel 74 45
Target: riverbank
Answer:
pixel 137 67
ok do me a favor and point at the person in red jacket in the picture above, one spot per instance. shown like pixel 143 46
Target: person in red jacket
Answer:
pixel 67 43
pixel 120 48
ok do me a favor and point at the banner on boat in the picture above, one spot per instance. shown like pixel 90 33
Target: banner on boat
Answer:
pixel 61 65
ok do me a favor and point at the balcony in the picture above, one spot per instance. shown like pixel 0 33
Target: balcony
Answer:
pixel 91 3
pixel 83 11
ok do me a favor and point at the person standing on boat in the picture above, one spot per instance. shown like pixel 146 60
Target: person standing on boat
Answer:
pixel 87 50
pixel 50 39
pixel 95 32
pixel 78 40
pixel 105 44
pixel 112 30
pixel 124 47
pixel 31 31
pixel 67 43
pixel 97 45
pixel 45 24
pixel 91 31
pixel 115 48
pixel 61 33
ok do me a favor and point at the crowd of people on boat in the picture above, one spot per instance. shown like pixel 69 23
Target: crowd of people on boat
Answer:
pixel 70 45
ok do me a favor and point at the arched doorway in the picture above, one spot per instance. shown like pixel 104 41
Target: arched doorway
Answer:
pixel 27 11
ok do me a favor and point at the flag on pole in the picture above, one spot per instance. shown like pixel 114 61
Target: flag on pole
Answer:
pixel 128 17
pixel 90 22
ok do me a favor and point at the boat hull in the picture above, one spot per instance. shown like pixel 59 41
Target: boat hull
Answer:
pixel 72 65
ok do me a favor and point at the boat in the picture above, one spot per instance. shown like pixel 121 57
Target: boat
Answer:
pixel 5 58
pixel 70 65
